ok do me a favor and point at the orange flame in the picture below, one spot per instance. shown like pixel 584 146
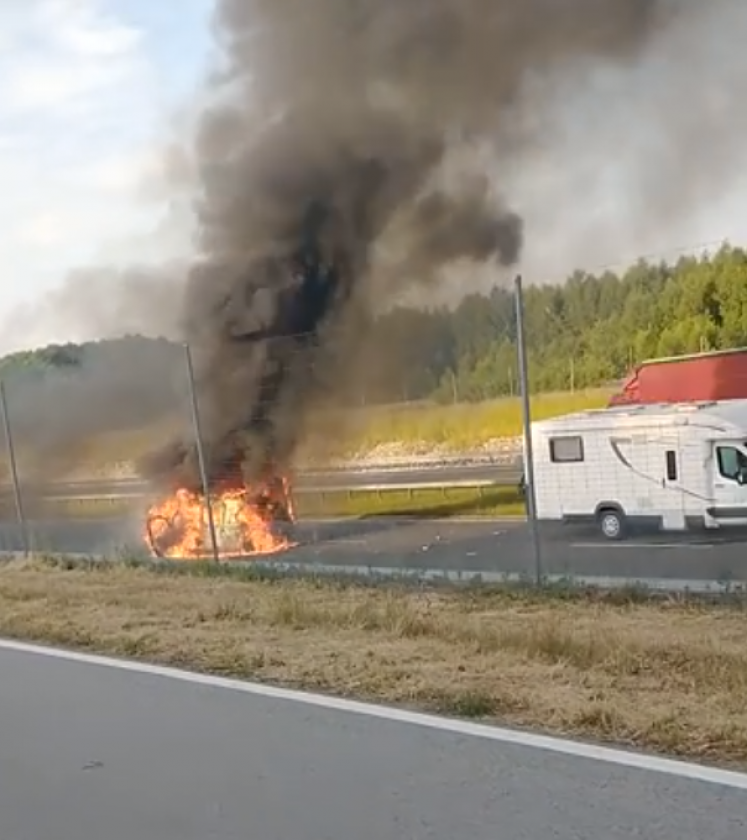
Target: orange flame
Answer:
pixel 245 522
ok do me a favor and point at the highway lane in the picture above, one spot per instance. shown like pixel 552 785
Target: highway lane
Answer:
pixel 90 752
pixel 498 550
pixel 487 549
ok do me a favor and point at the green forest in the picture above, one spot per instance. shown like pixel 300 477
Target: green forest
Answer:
pixel 584 333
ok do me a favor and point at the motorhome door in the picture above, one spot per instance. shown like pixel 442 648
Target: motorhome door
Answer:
pixel 729 484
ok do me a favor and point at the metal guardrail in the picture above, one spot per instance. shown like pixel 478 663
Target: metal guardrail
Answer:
pixel 322 489
pixel 403 485
pixel 134 488
pixel 502 470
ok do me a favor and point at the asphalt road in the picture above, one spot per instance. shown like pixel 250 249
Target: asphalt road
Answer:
pixel 89 752
pixel 490 550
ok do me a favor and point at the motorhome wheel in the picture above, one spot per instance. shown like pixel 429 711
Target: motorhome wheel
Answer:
pixel 612 524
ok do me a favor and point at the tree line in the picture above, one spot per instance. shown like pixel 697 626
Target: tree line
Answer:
pixel 586 332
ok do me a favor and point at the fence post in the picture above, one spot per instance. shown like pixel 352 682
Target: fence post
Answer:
pixel 197 428
pixel 14 471
pixel 527 421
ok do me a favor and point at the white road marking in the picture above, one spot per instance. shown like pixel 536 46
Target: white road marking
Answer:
pixel 609 755
pixel 640 545
pixel 349 541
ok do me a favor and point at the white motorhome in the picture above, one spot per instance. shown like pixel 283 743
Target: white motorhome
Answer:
pixel 673 467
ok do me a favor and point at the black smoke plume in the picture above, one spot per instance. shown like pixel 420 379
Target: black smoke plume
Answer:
pixel 344 157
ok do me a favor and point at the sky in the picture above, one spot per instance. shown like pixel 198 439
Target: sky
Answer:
pixel 89 90
pixel 92 92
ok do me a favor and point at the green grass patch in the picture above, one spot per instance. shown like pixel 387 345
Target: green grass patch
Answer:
pixel 465 425
pixel 433 502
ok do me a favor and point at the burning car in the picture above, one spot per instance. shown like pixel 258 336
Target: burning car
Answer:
pixel 246 519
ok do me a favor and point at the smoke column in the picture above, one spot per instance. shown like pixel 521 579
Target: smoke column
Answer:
pixel 344 158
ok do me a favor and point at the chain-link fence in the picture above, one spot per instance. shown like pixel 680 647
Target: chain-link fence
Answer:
pixel 640 492
pixel 71 439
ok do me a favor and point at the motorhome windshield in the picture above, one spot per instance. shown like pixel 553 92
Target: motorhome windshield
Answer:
pixel 732 463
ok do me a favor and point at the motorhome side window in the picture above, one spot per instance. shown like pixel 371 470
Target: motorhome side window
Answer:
pixel 568 449
pixel 731 461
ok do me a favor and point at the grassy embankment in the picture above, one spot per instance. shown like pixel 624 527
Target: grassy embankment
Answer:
pixel 463 426
pixel 671 676
pixel 458 427
pixel 410 428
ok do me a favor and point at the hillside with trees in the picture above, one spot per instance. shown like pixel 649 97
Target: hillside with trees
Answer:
pixel 584 333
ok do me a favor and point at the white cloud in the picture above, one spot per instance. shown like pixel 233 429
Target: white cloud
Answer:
pixel 46 230
pixel 122 173
pixel 82 116
pixel 83 28
pixel 64 51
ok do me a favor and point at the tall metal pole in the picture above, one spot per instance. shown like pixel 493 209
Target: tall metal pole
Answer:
pixel 531 496
pixel 200 453
pixel 25 541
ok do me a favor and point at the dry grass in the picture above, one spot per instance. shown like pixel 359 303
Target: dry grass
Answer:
pixel 669 676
